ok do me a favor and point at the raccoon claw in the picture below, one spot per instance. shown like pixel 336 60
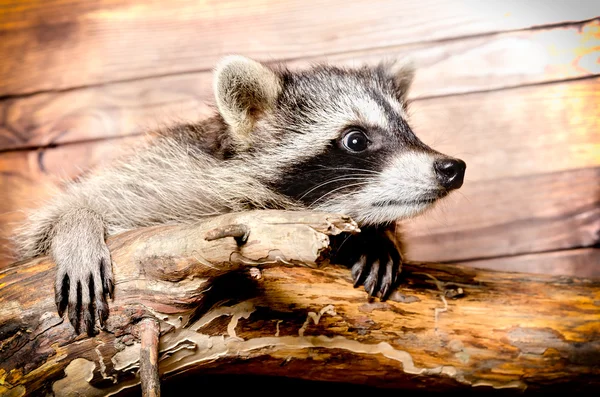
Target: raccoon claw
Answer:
pixel 378 274
pixel 83 290
pixel 358 271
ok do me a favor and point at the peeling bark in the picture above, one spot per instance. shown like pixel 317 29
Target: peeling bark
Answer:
pixel 272 305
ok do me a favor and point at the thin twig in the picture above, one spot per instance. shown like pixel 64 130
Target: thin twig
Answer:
pixel 149 332
pixel 238 232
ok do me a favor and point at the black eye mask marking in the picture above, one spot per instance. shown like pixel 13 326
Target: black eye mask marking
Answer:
pixel 334 171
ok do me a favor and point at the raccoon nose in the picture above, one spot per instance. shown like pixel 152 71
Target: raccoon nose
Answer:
pixel 450 172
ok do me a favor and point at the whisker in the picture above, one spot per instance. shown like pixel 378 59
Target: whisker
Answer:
pixel 344 242
pixel 369 162
pixel 335 190
pixel 465 196
pixel 340 179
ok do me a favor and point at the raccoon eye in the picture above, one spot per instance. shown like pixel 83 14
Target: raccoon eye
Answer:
pixel 355 141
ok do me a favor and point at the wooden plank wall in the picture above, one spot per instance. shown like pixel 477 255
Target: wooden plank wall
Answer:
pixel 513 88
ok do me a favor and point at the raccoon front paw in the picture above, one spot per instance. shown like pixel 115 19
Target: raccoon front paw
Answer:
pixel 84 278
pixel 377 268
pixel 375 261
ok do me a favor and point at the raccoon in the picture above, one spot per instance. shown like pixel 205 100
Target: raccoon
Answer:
pixel 325 138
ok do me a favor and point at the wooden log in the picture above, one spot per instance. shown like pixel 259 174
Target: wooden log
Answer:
pixel 108 40
pixel 444 328
pixel 131 107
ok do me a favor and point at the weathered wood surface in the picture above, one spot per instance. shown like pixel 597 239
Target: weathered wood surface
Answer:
pixel 492 62
pixel 495 61
pixel 106 41
pixel 532 156
pixel 516 132
pixel 583 262
pixel 445 327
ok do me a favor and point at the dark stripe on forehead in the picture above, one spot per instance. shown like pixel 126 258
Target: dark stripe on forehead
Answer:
pixel 384 104
pixel 400 128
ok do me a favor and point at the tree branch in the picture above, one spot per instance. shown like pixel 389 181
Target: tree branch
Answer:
pixel 445 327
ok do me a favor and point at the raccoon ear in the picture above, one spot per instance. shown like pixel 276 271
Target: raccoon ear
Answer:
pixel 244 90
pixel 403 73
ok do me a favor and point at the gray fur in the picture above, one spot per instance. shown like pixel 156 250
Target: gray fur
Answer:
pixel 270 121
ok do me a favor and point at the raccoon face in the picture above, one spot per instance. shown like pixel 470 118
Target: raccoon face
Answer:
pixel 334 139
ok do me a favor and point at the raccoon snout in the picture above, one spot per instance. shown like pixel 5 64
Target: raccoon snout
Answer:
pixel 450 173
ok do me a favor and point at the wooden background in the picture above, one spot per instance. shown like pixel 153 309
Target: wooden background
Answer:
pixel 512 87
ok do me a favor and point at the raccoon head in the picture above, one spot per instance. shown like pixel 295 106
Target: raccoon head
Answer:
pixel 334 139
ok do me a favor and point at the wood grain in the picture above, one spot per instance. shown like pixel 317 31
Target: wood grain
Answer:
pixel 515 132
pixel 495 61
pixel 118 109
pixel 61 44
pixel 584 262
pixel 491 62
pixel 510 216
